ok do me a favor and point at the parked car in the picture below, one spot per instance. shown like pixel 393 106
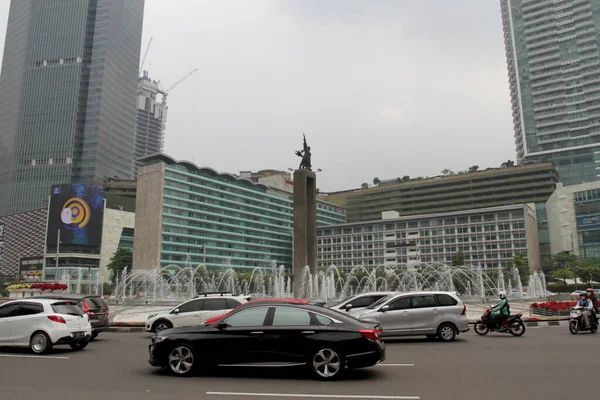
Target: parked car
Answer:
pixel 359 302
pixel 215 319
pixel 41 324
pixel 274 334
pixel 194 311
pixel 433 314
pixel 93 305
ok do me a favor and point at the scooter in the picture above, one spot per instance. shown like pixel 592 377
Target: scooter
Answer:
pixel 576 322
pixel 513 324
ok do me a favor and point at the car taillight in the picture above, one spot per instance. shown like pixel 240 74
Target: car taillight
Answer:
pixel 373 334
pixel 57 318
pixel 464 311
pixel 87 310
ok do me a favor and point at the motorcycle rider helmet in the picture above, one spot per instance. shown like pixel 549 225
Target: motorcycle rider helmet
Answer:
pixel 502 295
pixel 583 295
pixel 590 291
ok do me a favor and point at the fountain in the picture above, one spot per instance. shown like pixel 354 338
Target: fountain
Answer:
pixel 537 285
pixel 173 283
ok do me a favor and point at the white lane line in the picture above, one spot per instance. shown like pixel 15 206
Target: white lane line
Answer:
pixel 395 365
pixel 318 396
pixel 25 356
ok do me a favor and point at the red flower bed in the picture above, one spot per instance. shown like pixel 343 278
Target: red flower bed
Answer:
pixel 556 305
pixel 49 286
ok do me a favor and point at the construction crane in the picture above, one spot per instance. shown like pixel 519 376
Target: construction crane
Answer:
pixel 145 55
pixel 166 92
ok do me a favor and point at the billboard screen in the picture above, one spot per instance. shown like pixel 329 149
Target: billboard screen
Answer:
pixel 77 211
pixel 589 222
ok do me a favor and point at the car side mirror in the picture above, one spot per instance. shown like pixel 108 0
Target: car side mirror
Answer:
pixel 175 311
pixel 221 325
pixel 348 307
pixel 384 308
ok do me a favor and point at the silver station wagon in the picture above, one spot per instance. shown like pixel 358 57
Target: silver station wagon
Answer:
pixel 433 314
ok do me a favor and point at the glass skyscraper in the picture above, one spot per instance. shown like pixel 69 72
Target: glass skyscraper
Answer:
pixel 553 64
pixel 67 96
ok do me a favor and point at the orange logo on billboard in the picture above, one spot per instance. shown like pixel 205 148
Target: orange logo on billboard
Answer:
pixel 75 213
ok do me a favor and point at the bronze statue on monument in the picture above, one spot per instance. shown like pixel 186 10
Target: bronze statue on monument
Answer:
pixel 305 164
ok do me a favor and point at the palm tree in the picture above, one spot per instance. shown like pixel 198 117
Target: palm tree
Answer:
pixel 376 181
pixel 507 164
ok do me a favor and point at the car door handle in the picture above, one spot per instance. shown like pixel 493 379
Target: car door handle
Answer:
pixel 308 332
pixel 256 333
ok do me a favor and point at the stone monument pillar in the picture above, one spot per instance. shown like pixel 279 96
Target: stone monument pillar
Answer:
pixel 305 228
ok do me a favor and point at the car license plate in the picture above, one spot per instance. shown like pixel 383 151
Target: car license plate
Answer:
pixel 78 334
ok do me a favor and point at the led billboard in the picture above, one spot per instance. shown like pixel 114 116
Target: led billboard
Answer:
pixel 77 211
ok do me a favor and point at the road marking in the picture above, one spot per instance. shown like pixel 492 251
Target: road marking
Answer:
pixel 395 365
pixel 318 396
pixel 25 356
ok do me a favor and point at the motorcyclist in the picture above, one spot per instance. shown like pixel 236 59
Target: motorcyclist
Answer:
pixel 501 311
pixel 594 300
pixel 587 306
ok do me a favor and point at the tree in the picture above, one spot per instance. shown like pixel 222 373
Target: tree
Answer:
pixel 447 172
pixel 405 178
pixel 364 186
pixel 564 260
pixel 473 168
pixel 507 164
pixel 376 181
pixel 458 259
pixel 563 274
pixel 121 259
pixel 521 263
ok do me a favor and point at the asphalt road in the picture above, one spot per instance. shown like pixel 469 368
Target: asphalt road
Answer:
pixel 546 363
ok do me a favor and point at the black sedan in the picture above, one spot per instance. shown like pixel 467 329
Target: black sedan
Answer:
pixel 272 335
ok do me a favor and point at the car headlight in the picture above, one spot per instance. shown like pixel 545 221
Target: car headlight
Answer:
pixel 158 339
pixel 152 315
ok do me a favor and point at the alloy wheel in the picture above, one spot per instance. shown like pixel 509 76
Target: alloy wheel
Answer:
pixel 447 333
pixel 181 360
pixel 327 363
pixel 161 326
pixel 39 343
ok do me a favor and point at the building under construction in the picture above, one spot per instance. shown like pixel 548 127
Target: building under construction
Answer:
pixel 151 120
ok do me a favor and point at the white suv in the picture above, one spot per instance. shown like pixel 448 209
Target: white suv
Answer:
pixel 194 311
pixel 43 323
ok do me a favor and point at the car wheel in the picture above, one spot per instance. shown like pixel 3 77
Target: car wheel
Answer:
pixel 328 363
pixel 78 345
pixel 446 332
pixel 40 343
pixel 182 359
pixel 94 336
pixel 161 325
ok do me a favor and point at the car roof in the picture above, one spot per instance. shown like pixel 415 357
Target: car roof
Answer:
pixel 70 296
pixel 277 300
pixel 36 300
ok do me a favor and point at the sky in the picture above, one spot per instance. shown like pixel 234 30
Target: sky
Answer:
pixel 380 88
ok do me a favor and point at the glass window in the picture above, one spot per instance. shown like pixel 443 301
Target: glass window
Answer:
pixel 252 317
pixel 232 303
pixel 364 301
pixel 190 306
pixel 214 304
pixel 291 316
pixel 324 320
pixel 9 310
pixel 32 309
pixel 446 300
pixel 66 308
pixel 402 303
pixel 424 301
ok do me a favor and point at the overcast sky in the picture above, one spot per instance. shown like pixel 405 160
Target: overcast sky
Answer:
pixel 381 88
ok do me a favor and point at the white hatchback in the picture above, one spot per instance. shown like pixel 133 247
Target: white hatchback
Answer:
pixel 41 324
pixel 194 311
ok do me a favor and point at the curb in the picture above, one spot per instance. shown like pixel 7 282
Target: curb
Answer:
pixel 126 329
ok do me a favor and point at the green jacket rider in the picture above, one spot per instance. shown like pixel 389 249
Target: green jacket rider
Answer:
pixel 501 308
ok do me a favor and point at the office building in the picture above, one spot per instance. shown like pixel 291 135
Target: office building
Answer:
pixel 573 214
pixel 483 189
pixel 187 215
pixel 151 120
pixel 489 237
pixel 67 92
pixel 553 60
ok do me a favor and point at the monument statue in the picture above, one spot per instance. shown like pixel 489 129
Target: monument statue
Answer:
pixel 305 164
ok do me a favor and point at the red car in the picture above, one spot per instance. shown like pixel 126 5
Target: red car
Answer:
pixel 216 319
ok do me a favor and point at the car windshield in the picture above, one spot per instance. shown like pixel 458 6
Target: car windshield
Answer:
pixel 67 308
pixel 380 301
pixel 344 301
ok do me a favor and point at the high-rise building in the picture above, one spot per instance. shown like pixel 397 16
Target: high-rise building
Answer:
pixel 67 96
pixel 553 59
pixel 151 119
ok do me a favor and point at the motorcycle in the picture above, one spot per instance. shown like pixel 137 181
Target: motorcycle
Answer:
pixel 576 321
pixel 513 324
